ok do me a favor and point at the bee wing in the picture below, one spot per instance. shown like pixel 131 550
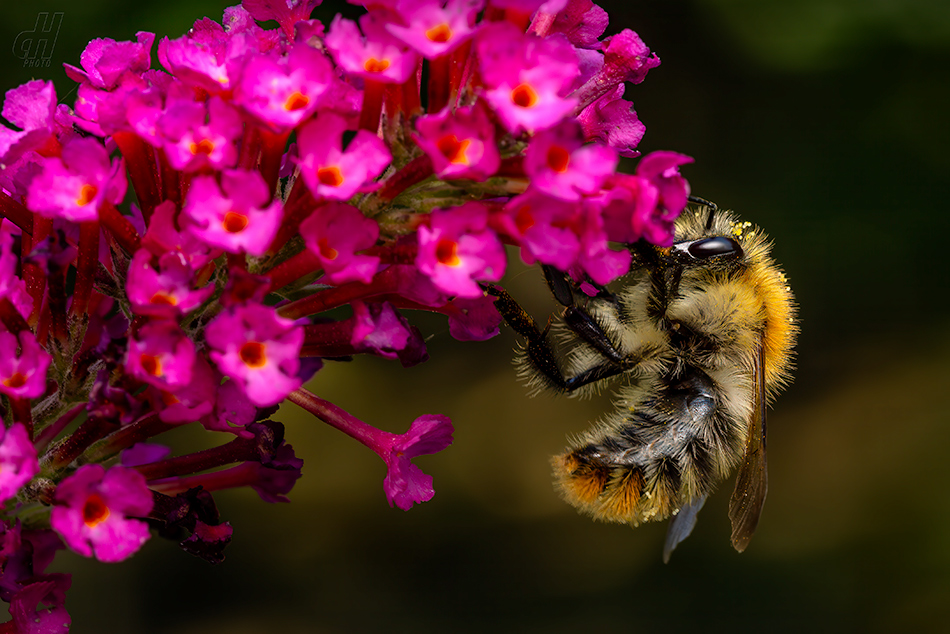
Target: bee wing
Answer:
pixel 752 481
pixel 681 526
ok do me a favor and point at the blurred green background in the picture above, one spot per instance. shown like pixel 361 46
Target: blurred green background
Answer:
pixel 825 122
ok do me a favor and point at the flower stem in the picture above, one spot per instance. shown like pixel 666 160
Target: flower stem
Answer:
pixel 373 92
pixel 16 213
pixel 376 439
pixel 120 228
pixel 86 263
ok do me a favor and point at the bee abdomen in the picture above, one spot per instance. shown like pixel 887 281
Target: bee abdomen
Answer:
pixel 613 486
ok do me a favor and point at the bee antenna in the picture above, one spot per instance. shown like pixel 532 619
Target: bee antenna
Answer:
pixel 713 208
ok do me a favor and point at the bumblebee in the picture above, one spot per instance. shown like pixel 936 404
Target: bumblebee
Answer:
pixel 701 337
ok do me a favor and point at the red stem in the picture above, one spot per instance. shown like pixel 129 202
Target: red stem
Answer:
pixel 120 228
pixel 32 274
pixel 22 413
pixel 372 105
pixel 141 430
pixel 304 263
pixel 143 170
pixel 375 439
pixel 440 82
pixel 238 450
pixel 51 431
pixel 272 151
pixel 86 263
pixel 384 282
pixel 414 171
pixel 16 213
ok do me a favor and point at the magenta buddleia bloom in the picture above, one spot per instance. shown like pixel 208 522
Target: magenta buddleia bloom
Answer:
pixel 30 618
pixel 18 460
pixel 203 57
pixel 259 350
pixel 381 330
pixel 164 291
pixel 164 236
pixel 94 512
pixel 287 13
pixel 472 319
pixel 543 227
pixel 334 233
pixel 612 121
pixel 12 288
pixel 330 171
pixel 645 205
pixel 527 78
pixel 561 166
pixel 375 53
pixel 237 217
pixel 77 185
pixel 405 483
pixel 161 355
pixel 30 107
pixel 595 257
pixel 458 249
pixel 434 29
pixel 23 365
pixel 287 92
pixel 198 136
pixel 192 401
pixel 461 144
pixel 104 61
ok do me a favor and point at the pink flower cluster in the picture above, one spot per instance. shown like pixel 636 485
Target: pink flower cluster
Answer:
pixel 171 244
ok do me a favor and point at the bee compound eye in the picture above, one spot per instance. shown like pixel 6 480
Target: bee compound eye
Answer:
pixel 711 247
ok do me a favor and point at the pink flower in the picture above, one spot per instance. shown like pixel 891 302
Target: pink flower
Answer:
pixel 561 166
pixel 76 186
pixel 526 78
pixel 23 365
pixel 166 291
pixel 237 217
pixel 12 288
pixel 259 350
pixel 375 54
pixel 405 483
pixel 434 29
pixel 104 61
pixel 595 257
pixel 285 92
pixel 286 12
pixel 30 107
pixel 332 172
pixel 461 144
pixel 18 460
pixel 94 512
pixel 647 203
pixel 613 121
pixel 334 233
pixel 198 136
pixel 544 227
pixel 458 248
pixel 160 354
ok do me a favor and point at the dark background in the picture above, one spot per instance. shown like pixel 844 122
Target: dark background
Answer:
pixel 824 121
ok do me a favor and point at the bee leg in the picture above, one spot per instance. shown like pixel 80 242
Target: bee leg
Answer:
pixel 578 319
pixel 541 353
pixel 539 350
